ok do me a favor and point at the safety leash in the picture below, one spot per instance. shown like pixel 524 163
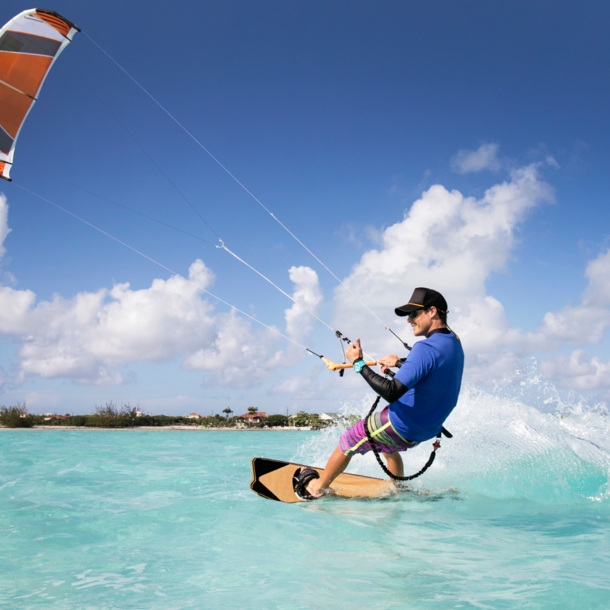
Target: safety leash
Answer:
pixel 436 445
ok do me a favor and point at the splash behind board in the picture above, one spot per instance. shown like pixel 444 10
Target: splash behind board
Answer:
pixel 272 479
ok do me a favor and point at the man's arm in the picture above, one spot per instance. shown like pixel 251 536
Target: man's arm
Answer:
pixel 389 389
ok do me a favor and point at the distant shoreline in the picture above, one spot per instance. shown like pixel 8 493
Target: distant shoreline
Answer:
pixel 180 428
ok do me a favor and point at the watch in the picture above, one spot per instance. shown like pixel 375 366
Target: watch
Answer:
pixel 359 365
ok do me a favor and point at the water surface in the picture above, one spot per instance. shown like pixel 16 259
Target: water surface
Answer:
pixel 165 519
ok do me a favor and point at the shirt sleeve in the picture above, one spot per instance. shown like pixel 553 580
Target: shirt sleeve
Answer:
pixel 388 389
pixel 419 363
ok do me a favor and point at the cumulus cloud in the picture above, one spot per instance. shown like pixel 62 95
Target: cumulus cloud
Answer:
pixel 308 296
pixel 576 326
pixel 578 372
pixel 485 157
pixel 239 358
pixel 582 324
pixel 597 293
pixel 452 243
pixel 40 400
pixel 93 336
pixel 86 338
pixel 446 240
pixel 4 229
pixel 299 387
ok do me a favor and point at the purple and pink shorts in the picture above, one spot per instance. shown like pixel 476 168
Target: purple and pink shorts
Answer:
pixel 386 439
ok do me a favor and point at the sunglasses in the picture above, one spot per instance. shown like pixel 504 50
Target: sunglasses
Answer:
pixel 413 314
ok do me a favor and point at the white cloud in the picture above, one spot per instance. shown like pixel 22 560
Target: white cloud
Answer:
pixel 452 243
pixel 308 296
pixel 41 400
pixel 15 306
pixel 598 274
pixel 86 338
pixel 577 372
pixel 90 337
pixel 4 229
pixel 500 367
pixel 467 161
pixel 583 324
pixel 446 240
pixel 95 336
pixel 577 326
pixel 240 358
pixel 551 161
pixel 299 387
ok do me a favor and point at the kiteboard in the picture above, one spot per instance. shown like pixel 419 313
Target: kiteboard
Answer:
pixel 273 480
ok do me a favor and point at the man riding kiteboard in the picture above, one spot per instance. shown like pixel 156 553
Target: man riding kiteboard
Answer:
pixel 421 395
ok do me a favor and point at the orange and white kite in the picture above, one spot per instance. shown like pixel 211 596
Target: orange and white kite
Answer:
pixel 29 44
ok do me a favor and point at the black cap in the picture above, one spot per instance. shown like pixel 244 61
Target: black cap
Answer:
pixel 423 298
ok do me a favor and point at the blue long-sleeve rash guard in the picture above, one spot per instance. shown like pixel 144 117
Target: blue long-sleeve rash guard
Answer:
pixel 433 374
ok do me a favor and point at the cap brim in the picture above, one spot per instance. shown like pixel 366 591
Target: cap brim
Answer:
pixel 405 310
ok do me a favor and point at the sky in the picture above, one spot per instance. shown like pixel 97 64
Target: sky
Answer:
pixel 461 146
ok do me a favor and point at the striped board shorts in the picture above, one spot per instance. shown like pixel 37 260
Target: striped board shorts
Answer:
pixel 387 440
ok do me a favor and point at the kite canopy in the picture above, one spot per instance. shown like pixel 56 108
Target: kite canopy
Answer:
pixel 29 44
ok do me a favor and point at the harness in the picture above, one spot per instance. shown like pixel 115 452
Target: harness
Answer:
pixel 436 445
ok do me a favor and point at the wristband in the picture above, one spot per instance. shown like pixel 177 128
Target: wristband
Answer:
pixel 359 365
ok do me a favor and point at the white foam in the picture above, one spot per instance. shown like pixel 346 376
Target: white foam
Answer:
pixel 547 450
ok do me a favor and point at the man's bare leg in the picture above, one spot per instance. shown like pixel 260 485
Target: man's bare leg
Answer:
pixel 336 464
pixel 395 465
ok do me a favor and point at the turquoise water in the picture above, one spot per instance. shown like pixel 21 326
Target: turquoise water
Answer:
pixel 165 519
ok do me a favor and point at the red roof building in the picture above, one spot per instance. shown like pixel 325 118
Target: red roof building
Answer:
pixel 252 418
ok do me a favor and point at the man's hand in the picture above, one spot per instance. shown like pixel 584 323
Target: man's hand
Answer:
pixel 354 351
pixel 390 360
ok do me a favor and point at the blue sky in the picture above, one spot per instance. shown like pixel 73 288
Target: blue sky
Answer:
pixel 337 118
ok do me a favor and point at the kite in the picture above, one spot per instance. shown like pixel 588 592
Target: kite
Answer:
pixel 29 44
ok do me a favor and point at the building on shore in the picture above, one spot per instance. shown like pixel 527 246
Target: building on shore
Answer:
pixel 252 418
pixel 329 418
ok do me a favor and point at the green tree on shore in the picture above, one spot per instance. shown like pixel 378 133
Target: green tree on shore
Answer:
pixel 276 420
pixel 110 416
pixel 16 417
pixel 303 419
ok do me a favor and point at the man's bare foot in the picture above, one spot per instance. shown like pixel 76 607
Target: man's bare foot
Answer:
pixel 313 487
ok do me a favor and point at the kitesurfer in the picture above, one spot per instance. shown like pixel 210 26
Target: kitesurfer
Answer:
pixel 421 395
